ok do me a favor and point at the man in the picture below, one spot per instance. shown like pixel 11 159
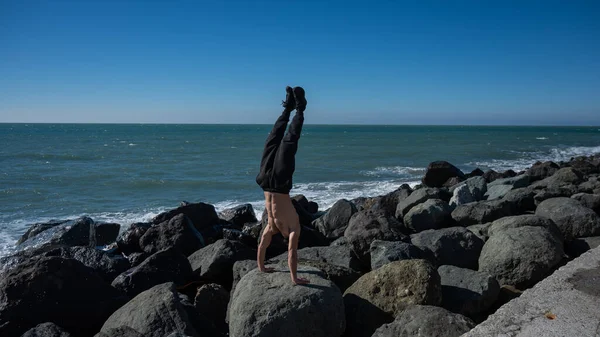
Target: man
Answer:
pixel 275 178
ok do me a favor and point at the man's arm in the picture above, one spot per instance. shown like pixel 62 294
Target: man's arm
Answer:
pixel 265 241
pixel 293 257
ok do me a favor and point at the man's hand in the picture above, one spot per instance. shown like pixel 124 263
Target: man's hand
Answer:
pixel 300 280
pixel 266 269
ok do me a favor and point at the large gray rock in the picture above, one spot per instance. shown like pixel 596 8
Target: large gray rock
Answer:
pixel 57 290
pixel 462 195
pixel 426 321
pixel 541 170
pixel 517 221
pixel 200 214
pixel 167 265
pixel 591 201
pixel 521 256
pixel 572 218
pixel 159 312
pixel 178 232
pixel 333 223
pixel 211 302
pixel 438 172
pixel 467 292
pixel 46 330
pixel 239 215
pixel 481 212
pixel 384 252
pixel 129 241
pixel 481 230
pixel 497 191
pixel 268 304
pixel 476 186
pixel 454 246
pixel 215 261
pixel 366 227
pixel 37 228
pixel 521 200
pixel 431 214
pixel 106 266
pixel 69 233
pixel 565 191
pixel 379 296
pixel 419 196
pixel 564 176
pixel 340 256
pixel 516 181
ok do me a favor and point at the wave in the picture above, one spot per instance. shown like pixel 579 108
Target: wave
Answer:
pixel 394 171
pixel 541 138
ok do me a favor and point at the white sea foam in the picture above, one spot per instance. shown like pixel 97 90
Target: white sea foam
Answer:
pixel 541 138
pixel 394 171
pixel 132 144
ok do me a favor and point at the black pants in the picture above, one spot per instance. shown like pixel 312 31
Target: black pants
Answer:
pixel 278 161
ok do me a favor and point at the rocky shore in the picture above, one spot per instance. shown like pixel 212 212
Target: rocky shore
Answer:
pixel 434 260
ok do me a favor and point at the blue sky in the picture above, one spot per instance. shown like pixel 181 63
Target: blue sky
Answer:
pixel 361 62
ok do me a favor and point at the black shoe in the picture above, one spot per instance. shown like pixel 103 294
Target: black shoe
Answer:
pixel 290 102
pixel 300 99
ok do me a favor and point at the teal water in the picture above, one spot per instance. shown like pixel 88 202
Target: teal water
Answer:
pixel 128 173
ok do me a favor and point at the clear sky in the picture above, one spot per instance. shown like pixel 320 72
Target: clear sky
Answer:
pixel 361 62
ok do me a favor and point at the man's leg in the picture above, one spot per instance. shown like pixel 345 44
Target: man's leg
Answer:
pixel 293 256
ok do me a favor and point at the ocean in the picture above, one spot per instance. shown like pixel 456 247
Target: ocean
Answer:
pixel 127 173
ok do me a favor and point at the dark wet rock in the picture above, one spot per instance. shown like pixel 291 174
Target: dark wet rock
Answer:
pixel 158 312
pixel 521 256
pixel 591 201
pixel 253 230
pixel 517 221
pixel 379 296
pixel 135 259
pixel 178 233
pixel 491 175
pixel 452 181
pixel 313 207
pixel 419 196
pixel 359 202
pixel 211 302
pixel 521 200
pixel 53 289
pixel 365 227
pixel 106 233
pixel 200 214
pixel 562 177
pixel 555 192
pixel 389 202
pixel 70 233
pixel 426 321
pixel 438 172
pixel 541 170
pixel 339 256
pixel 578 246
pixel 215 262
pixel 37 228
pixel 481 230
pixel 481 212
pixel 454 246
pixel 431 214
pixel 164 266
pixel 238 235
pixel 108 267
pixel 475 173
pixel 129 241
pixel 583 165
pixel 384 252
pixel 264 304
pixel 467 292
pixel 46 330
pixel 333 224
pixel 572 218
pixel 239 215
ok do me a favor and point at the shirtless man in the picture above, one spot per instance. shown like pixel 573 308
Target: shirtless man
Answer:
pixel 275 178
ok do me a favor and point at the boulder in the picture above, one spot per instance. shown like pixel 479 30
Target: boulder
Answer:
pixel 389 202
pixel 583 165
pixel 541 170
pixel 555 192
pixel 379 296
pixel 431 214
pixel 417 197
pixel 454 246
pixel 70 233
pixel 491 175
pixel 384 252
pixel 241 268
pixel 562 177
pixel 135 259
pixel 365 227
pixel 517 221
pixel 589 186
pixel 481 212
pixel 164 266
pixel 129 241
pixel 46 330
pixel 438 172
pixel 211 302
pixel 426 321
pixel 107 267
pixel 578 246
pixel 200 214
pixel 340 256
pixel 334 222
pixel 497 191
pixel 521 200
pixel 239 215
pixel 313 207
pixel 178 233
pixel 106 233
pixel 572 218
pixel 253 230
pixel 477 187
pixel 123 331
pixel 269 304
pixel 467 292
pixel 57 290
pixel 475 173
pixel 521 256
pixel 158 312
pixel 215 262
pixel 481 230
pixel 591 201
pixel 461 195
pixel 238 235
pixel 516 181
pixel 37 228
pixel 342 277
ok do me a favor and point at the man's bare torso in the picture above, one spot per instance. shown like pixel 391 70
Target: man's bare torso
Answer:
pixel 281 212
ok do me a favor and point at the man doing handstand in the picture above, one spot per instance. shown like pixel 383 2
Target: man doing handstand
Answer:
pixel 275 178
